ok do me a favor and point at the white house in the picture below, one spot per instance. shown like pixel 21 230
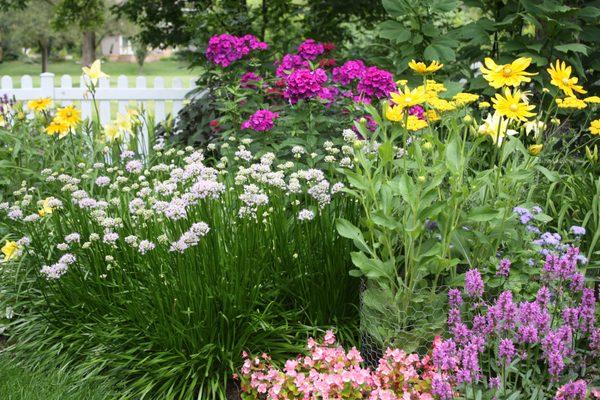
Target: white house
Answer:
pixel 120 48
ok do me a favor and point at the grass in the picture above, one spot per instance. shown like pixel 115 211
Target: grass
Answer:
pixel 19 383
pixel 167 68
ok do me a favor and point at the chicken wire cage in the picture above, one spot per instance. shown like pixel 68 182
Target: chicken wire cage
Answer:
pixel 409 321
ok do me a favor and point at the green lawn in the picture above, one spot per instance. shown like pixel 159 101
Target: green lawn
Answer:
pixel 167 68
pixel 18 383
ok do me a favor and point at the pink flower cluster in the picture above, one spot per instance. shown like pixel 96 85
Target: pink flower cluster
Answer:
pixel 304 84
pixel 224 49
pixel 262 120
pixel 289 63
pixel 329 372
pixel 376 83
pixel 351 70
pixel 310 49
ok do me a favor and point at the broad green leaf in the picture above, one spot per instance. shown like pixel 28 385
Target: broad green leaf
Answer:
pixel 453 157
pixel 346 229
pixel 396 8
pixel 394 31
pixel 572 47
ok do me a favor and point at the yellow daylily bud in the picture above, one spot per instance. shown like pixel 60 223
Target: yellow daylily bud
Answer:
pixel 592 156
pixel 535 149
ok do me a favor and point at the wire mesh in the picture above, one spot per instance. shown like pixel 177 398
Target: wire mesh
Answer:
pixel 409 321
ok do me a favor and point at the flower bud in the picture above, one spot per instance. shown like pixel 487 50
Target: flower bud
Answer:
pixel 535 149
pixel 592 156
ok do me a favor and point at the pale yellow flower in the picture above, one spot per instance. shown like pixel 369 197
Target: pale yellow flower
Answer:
pixel 94 72
pixel 11 250
pixel 45 208
pixel 112 132
pixel 496 127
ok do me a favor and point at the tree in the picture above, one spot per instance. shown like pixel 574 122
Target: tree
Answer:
pixel 89 16
pixel 184 22
pixel 30 27
pixel 86 15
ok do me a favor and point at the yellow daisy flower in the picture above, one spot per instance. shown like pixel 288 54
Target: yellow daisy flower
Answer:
pixel 69 116
pixel 424 69
pixel 57 127
pixel 512 74
pixel 571 102
pixel 39 104
pixel 11 250
pixel 511 105
pixel 561 78
pixel 409 97
pixel 595 127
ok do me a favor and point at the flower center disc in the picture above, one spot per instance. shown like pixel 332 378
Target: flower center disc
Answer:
pixel 507 71
pixel 513 107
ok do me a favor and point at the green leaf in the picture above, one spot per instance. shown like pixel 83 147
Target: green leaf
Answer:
pixel 371 268
pixel 394 31
pixel 453 157
pixel 396 8
pixel 482 214
pixel 346 229
pixel 439 52
pixel 443 6
pixel 573 47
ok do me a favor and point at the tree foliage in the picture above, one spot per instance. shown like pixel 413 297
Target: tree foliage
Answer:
pixel 181 22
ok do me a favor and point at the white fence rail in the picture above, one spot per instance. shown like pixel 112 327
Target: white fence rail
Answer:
pixel 122 94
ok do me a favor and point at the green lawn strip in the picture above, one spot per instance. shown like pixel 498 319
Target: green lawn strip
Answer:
pixel 168 69
pixel 20 383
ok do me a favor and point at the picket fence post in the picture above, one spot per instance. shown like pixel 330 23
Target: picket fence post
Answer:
pixel 153 99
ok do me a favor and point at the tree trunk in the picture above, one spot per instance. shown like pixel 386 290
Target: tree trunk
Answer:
pixel 88 50
pixel 44 53
pixel 263 29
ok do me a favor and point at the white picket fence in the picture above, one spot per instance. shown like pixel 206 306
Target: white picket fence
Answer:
pixel 122 94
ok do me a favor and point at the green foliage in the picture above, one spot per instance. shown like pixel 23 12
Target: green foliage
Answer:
pixel 468 31
pixel 20 383
pixel 281 21
pixel 419 29
pixel 431 210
